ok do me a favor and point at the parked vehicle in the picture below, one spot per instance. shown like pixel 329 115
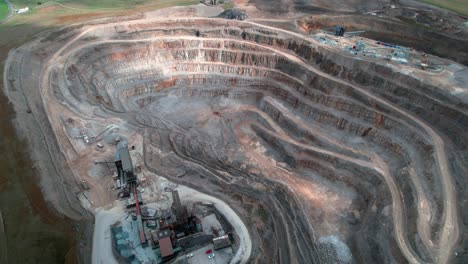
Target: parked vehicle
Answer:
pixel 85 185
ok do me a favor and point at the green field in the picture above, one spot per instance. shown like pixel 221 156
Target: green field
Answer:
pixel 98 4
pixel 458 6
pixel 3 9
pixel 47 14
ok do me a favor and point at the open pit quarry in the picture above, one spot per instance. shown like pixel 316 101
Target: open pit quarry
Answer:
pixel 325 157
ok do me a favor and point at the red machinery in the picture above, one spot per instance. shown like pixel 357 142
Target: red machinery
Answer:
pixel 138 213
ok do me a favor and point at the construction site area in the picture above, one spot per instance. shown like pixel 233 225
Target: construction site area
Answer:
pixel 150 223
pixel 207 135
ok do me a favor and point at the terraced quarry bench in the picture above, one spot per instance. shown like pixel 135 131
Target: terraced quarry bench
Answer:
pixel 326 158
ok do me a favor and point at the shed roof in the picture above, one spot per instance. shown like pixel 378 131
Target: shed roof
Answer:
pixel 123 154
pixel 221 242
pixel 165 246
pixel 164 233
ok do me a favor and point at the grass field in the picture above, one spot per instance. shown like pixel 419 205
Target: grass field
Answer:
pixel 48 15
pixel 458 6
pixel 3 9
pixel 98 4
pixel 61 12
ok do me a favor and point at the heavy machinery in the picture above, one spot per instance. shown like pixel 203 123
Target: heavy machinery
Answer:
pixel 128 180
pixel 339 31
pixel 125 172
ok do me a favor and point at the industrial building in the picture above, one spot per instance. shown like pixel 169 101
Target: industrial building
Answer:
pixel 128 180
pixel 165 231
pixel 179 210
pixel 123 163
pixel 165 243
pixel 221 242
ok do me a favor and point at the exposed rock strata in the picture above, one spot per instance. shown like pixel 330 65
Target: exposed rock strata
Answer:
pixel 305 143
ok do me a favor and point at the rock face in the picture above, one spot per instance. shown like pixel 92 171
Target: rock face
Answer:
pixel 213 2
pixel 326 158
pixel 311 6
pixel 233 14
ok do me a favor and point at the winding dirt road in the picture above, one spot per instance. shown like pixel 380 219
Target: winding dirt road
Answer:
pixel 449 231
